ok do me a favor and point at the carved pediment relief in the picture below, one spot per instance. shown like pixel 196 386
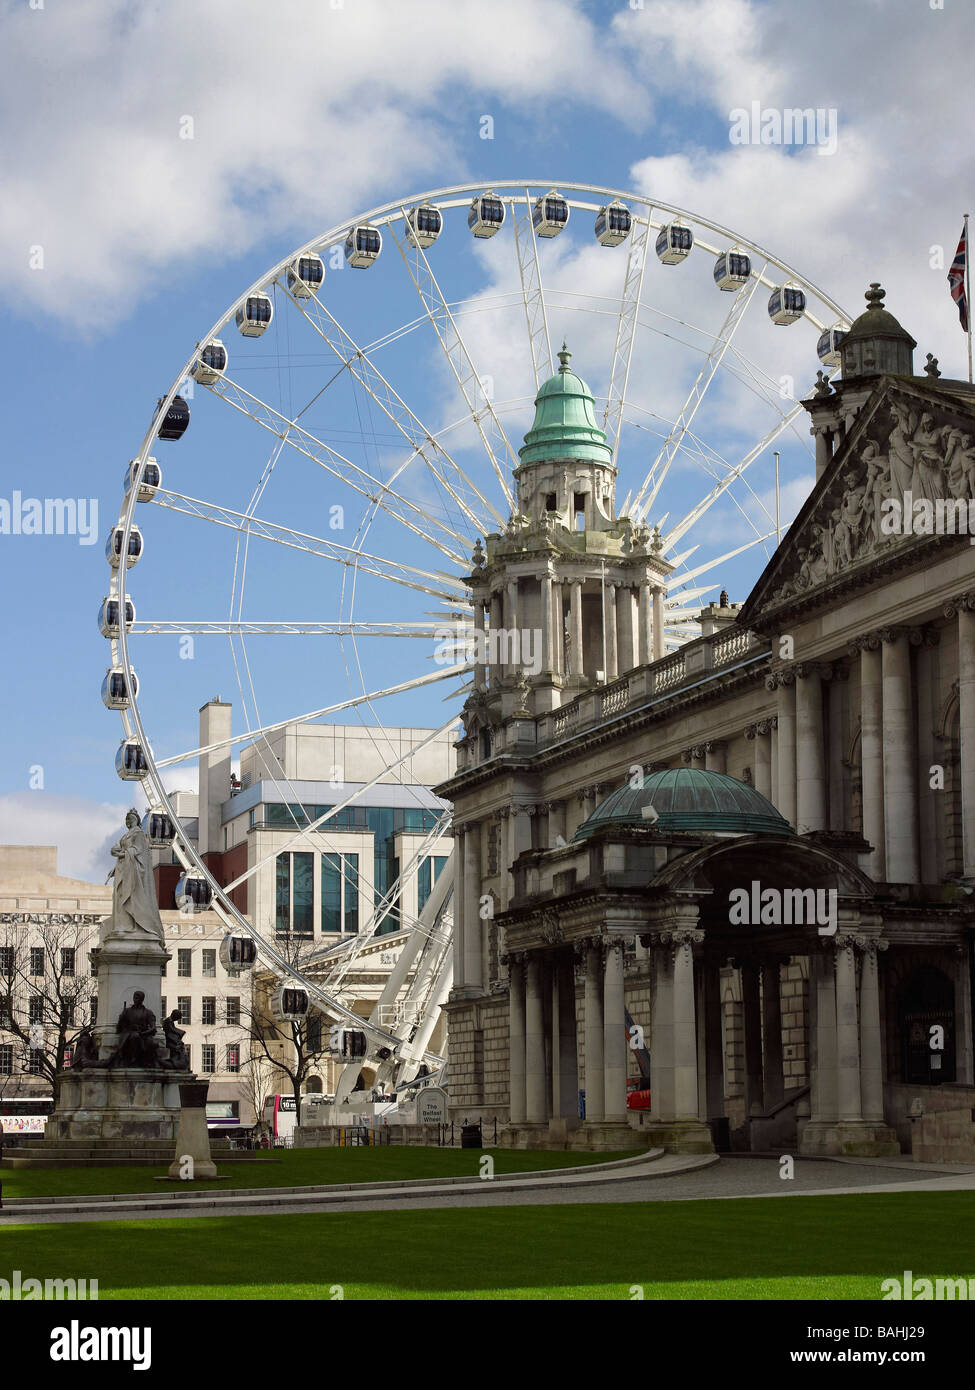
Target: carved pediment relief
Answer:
pixel 905 473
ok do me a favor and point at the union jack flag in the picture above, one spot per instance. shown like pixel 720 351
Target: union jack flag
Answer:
pixel 956 278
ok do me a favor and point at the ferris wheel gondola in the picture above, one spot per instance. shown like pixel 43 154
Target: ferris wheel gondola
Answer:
pixel 362 246
pixel 423 225
pixel 486 216
pixel 786 304
pixel 255 314
pixel 732 269
pixel 108 616
pixel 613 224
pixel 115 688
pixel 674 243
pixel 132 545
pixel 306 275
pixel 150 480
pixel 550 215
pixel 211 364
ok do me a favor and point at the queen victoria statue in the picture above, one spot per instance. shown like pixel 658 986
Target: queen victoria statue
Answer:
pixel 134 909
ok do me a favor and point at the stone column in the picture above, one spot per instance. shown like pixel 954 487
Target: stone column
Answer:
pixel 658 624
pixel 473 969
pixel 713 1046
pixel 614 1033
pixel 575 627
pixel 496 623
pixel 966 729
pixel 836 741
pixel 625 629
pixel 511 623
pixel 716 755
pixel 772 1073
pixel 686 1101
pixel 558 630
pixel 662 1033
pixel 479 645
pixel 763 759
pixel 823 1108
pixel 546 624
pixel 786 803
pixel 460 833
pixel 872 755
pixel 871 1045
pixel 847 1035
pixel 645 623
pixel 810 750
pixel 518 1110
pixel 609 629
pixel 565 1072
pixel 593 1033
pixel 900 762
pixel 536 1106
pixel 751 1008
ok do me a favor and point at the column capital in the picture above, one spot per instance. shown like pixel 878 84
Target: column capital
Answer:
pixel 784 676
pixel 865 642
pixel 869 945
pixel 888 635
pixel 715 745
pixel 960 602
pixel 822 669
pixel 924 636
pixel 511 958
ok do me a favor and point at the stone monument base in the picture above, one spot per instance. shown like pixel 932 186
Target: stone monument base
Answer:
pixel 121 1105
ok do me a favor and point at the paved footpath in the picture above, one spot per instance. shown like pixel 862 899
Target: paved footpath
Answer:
pixel 666 1178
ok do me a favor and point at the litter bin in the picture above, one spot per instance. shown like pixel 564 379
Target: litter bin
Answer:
pixel 470 1136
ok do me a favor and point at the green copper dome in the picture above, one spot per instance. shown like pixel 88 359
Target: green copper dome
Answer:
pixel 687 798
pixel 565 421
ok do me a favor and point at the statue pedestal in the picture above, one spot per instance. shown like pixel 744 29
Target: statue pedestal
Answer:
pixel 126 962
pixel 193 1158
pixel 117 1106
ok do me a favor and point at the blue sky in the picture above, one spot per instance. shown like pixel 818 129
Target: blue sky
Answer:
pixel 306 113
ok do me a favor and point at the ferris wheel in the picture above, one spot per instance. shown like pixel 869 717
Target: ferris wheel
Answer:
pixel 372 422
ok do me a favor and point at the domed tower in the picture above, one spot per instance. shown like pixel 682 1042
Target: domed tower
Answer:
pixel 874 345
pixel 569 595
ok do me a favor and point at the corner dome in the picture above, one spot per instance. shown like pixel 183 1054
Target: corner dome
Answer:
pixel 687 798
pixel 875 342
pixel 565 421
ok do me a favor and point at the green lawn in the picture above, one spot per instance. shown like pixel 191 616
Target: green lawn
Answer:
pixel 758 1248
pixel 298 1168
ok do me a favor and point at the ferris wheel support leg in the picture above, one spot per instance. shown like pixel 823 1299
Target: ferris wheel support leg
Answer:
pixel 636 262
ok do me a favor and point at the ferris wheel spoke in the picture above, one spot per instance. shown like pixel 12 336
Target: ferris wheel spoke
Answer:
pixel 681 528
pixel 234 627
pixel 363 482
pixel 459 359
pixel 532 291
pixel 447 472
pixel 672 444
pixel 709 565
pixel 415 683
pixel 394 570
pixel 636 264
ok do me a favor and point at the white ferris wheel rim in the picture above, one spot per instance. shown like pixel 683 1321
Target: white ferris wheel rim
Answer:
pixel 643 208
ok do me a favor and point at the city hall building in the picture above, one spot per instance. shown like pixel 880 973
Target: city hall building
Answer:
pixel 739 874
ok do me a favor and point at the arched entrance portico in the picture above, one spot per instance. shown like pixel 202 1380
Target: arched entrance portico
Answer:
pixel 742 932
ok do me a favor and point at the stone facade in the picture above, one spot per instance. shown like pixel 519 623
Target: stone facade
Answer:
pixel 842 692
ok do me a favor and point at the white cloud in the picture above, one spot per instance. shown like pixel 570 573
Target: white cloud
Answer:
pixel 81 829
pixel 302 114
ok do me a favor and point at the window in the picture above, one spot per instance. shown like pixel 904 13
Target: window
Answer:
pixel 68 1009
pixel 93 1019
pixel 184 963
pixel 165 1012
pixel 183 1004
pixel 5 1009
pixel 425 878
pixel 37 960
pixel 6 1059
pixel 209 1011
pixel 209 1063
pixel 233 1009
pixel 233 1057
pixel 295 894
pixel 313 1037
pixel 6 960
pixel 282 894
pixel 68 1058
pixel 93 966
pixel 67 960
pixel 35 1008
pixel 209 965
pixel 35 1062
pixel 340 892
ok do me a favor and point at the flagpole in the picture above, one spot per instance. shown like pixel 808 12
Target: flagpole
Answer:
pixel 968 296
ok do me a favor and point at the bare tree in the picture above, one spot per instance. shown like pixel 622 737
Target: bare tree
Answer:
pixel 296 1048
pixel 46 991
